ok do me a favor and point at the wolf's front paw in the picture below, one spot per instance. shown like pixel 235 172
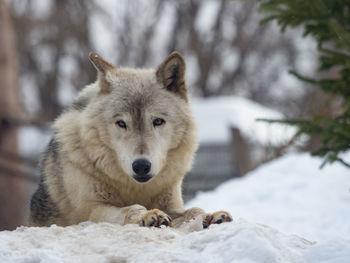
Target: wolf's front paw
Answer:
pixel 216 218
pixel 155 217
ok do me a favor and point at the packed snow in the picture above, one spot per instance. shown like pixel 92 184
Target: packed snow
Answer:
pixel 292 194
pixel 103 242
pixel 215 116
pixel 309 207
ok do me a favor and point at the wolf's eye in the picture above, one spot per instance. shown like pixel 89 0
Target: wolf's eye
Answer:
pixel 121 124
pixel 158 122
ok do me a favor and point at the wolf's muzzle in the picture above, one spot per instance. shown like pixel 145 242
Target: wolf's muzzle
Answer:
pixel 142 167
pixel 142 179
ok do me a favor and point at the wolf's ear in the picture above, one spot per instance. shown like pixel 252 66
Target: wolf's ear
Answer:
pixel 102 67
pixel 171 74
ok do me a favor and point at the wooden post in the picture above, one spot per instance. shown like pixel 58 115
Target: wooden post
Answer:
pixel 11 188
pixel 241 153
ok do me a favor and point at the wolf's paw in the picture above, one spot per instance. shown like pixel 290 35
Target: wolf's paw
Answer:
pixel 155 217
pixel 216 218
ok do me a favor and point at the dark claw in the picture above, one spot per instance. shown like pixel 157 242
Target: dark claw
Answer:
pixel 153 221
pixel 206 221
pixel 165 223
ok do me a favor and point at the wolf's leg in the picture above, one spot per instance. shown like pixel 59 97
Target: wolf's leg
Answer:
pixel 185 216
pixel 112 214
pixel 134 214
pixel 207 219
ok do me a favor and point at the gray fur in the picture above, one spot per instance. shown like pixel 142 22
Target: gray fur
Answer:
pixel 43 208
pixel 80 104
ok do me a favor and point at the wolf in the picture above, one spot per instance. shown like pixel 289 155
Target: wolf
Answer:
pixel 120 152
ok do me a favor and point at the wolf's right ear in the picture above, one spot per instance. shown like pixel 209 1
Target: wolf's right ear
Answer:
pixel 171 74
pixel 102 67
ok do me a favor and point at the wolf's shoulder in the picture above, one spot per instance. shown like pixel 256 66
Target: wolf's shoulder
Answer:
pixel 84 97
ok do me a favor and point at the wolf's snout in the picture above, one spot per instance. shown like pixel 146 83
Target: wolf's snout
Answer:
pixel 142 167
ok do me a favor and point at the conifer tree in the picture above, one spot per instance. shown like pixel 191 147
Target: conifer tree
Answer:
pixel 328 22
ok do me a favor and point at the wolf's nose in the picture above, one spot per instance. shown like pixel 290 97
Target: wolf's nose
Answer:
pixel 141 167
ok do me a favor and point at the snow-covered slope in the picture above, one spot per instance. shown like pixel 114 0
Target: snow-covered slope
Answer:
pixel 231 242
pixel 291 194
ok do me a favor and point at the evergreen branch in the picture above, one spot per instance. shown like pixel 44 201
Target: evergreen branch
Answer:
pixel 343 162
pixel 334 53
pixel 328 22
pixel 342 34
pixel 302 78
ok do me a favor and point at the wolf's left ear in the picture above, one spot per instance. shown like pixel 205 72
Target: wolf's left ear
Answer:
pixel 171 74
pixel 102 67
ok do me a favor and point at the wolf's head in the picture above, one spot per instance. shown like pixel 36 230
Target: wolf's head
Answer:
pixel 142 114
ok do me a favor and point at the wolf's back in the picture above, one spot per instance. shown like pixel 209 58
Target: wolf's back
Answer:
pixel 44 210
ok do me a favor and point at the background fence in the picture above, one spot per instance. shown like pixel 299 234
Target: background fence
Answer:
pixel 213 165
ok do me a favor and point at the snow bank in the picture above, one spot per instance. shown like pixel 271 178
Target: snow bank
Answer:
pixel 216 115
pixel 291 194
pixel 103 242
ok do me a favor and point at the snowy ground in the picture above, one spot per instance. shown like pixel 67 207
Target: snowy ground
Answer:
pixel 289 194
pixel 88 242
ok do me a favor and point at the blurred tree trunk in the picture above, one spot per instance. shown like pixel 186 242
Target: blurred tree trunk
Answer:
pixel 11 188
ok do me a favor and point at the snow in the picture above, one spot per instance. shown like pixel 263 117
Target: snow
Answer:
pixel 32 141
pixel 216 115
pixel 309 207
pixel 291 194
pixel 103 242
